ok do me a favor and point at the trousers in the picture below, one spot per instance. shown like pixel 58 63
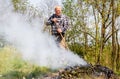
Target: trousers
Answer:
pixel 60 40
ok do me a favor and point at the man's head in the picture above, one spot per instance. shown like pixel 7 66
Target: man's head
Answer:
pixel 58 10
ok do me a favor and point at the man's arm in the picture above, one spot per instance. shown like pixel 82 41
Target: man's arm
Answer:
pixel 49 22
pixel 65 25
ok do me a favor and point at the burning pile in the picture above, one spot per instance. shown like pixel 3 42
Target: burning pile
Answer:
pixel 84 72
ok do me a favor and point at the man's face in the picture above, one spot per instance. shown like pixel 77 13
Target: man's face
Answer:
pixel 58 11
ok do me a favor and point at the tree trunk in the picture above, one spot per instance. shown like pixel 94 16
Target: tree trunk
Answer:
pixel 118 53
pixel 114 46
pixel 102 33
pixel 96 36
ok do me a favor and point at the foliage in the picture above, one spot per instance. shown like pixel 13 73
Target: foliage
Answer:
pixel 23 7
pixel 77 20
pixel 118 9
pixel 94 42
pixel 19 5
pixel 76 48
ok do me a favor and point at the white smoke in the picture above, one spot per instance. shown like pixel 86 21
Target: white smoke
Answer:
pixel 35 45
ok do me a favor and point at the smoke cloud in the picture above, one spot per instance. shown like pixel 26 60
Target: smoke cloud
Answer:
pixel 35 45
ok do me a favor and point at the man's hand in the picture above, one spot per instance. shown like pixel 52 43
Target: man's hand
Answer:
pixel 54 20
pixel 59 30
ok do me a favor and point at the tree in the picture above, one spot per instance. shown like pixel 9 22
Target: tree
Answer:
pixel 79 31
pixel 115 41
pixel 103 33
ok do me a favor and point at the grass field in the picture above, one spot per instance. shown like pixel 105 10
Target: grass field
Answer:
pixel 12 66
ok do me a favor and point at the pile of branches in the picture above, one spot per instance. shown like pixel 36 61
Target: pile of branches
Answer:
pixel 84 72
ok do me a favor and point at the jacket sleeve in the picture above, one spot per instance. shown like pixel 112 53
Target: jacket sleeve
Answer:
pixel 49 22
pixel 65 24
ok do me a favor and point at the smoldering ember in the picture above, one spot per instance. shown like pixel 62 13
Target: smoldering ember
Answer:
pixel 83 72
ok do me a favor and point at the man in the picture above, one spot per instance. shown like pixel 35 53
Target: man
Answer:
pixel 59 25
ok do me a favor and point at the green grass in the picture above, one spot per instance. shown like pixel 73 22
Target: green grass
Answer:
pixel 12 66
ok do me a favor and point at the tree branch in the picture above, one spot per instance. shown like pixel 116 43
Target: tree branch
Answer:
pixel 108 24
pixel 97 6
pixel 108 15
pixel 88 34
pixel 107 38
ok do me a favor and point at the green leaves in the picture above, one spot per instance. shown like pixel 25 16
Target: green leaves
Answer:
pixel 19 5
